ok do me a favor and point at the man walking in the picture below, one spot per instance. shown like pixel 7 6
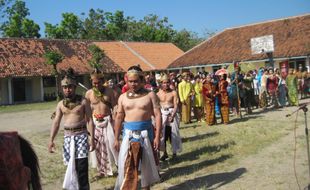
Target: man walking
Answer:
pixel 76 113
pixel 135 109
pixel 102 100
pixel 169 106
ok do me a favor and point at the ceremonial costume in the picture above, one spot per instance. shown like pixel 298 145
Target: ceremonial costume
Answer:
pixel 292 85
pixel 174 136
pixel 209 92
pixel 136 152
pixel 104 138
pixel 224 100
pixel 75 150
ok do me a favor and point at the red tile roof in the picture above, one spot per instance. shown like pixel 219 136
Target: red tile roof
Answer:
pixel 25 57
pixel 150 56
pixel 291 38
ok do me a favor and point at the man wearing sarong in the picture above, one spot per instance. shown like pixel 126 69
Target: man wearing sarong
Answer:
pixel 185 92
pixel 76 112
pixel 102 100
pixel 136 108
pixel 292 85
pixel 209 92
pixel 224 101
pixel 169 100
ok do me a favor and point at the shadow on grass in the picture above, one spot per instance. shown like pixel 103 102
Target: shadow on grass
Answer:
pixel 199 137
pixel 208 181
pixel 244 118
pixel 187 170
pixel 191 125
pixel 194 155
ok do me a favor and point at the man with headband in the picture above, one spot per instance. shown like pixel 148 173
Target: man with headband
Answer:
pixel 169 106
pixel 76 112
pixel 135 109
pixel 102 100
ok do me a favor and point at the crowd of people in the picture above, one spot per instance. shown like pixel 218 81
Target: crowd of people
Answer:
pixel 145 111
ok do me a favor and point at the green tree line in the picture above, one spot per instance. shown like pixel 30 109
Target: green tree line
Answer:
pixel 95 25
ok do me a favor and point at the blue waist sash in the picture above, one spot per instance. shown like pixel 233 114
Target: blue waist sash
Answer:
pixel 140 126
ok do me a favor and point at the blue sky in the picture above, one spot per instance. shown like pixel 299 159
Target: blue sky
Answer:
pixel 194 15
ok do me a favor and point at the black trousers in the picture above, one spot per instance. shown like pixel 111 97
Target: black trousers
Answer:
pixel 167 134
pixel 81 166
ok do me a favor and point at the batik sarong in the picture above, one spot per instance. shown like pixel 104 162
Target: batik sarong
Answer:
pixel 104 146
pixel 136 152
pixel 75 147
pixel 176 142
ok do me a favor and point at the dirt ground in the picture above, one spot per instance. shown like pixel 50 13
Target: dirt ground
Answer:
pixel 271 168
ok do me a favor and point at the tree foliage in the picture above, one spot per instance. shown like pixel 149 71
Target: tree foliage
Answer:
pixel 101 25
pixel 97 56
pixel 53 58
pixel 17 24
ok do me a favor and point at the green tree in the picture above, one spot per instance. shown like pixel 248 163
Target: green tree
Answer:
pixel 186 40
pixel 117 25
pixel 53 58
pixel 97 56
pixel 18 25
pixel 94 25
pixel 70 28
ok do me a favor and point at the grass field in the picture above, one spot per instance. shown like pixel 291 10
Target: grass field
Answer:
pixel 27 107
pixel 205 149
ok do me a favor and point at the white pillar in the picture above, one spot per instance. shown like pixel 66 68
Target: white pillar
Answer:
pixel 10 91
pixel 41 89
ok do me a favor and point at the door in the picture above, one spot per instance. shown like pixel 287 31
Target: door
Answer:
pixel 19 90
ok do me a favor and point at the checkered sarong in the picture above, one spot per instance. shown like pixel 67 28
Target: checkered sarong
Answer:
pixel 81 147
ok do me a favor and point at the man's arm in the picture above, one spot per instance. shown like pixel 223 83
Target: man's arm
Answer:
pixel 120 115
pixel 158 122
pixel 90 123
pixel 55 127
pixel 175 103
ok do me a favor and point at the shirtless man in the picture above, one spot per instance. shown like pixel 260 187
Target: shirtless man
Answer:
pixel 135 109
pixel 102 101
pixel 169 105
pixel 76 113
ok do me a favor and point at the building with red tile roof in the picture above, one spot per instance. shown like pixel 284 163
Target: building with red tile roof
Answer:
pixel 291 41
pixel 24 76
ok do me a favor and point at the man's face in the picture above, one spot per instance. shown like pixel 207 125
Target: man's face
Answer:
pixel 134 83
pixel 97 83
pixel 165 84
pixel 69 90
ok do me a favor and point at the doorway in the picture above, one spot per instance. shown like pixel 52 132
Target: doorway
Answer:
pixel 19 90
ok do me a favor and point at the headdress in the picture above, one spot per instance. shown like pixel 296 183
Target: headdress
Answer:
pixel 133 72
pixel 163 77
pixel 96 74
pixel 69 78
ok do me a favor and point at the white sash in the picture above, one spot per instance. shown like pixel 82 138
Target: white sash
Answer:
pixel 71 181
pixel 176 141
pixel 149 172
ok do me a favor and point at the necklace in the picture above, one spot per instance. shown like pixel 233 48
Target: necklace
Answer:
pixel 101 96
pixel 140 93
pixel 71 103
